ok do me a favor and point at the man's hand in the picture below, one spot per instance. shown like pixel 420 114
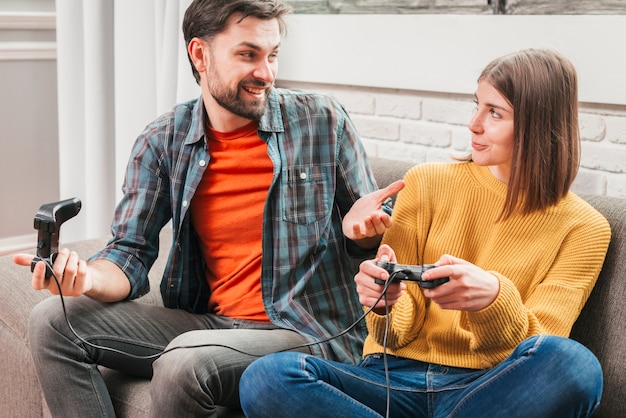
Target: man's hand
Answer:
pixel 366 221
pixel 99 279
pixel 71 273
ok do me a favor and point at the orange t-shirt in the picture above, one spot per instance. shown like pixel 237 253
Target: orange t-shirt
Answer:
pixel 227 213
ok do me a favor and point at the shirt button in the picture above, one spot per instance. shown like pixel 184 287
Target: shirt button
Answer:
pixel 184 203
pixel 202 163
pixel 303 176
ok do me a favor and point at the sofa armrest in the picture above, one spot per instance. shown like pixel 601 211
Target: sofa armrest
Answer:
pixel 20 298
pixel 19 387
pixel 600 326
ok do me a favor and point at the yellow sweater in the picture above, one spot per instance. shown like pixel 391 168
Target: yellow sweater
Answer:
pixel 547 264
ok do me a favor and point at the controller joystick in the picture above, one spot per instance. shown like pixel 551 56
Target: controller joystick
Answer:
pixel 410 273
pixel 48 222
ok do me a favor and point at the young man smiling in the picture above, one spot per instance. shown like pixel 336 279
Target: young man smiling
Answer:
pixel 256 181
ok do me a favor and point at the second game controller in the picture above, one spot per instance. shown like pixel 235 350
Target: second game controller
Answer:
pixel 411 273
pixel 48 222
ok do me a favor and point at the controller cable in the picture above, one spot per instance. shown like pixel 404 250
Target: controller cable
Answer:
pixel 383 295
pixel 385 335
pixel 48 261
pixel 154 356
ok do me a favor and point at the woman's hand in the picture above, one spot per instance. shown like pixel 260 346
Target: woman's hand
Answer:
pixel 470 288
pixel 369 291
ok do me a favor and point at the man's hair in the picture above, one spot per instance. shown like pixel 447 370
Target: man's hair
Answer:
pixel 542 87
pixel 206 18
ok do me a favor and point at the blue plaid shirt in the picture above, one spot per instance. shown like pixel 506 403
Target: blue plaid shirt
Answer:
pixel 308 267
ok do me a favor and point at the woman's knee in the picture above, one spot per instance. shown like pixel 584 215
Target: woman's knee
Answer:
pixel 268 378
pixel 582 366
pixel 271 369
pixel 579 370
pixel 570 355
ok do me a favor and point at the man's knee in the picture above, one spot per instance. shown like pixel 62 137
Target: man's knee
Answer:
pixel 209 371
pixel 45 316
pixel 184 359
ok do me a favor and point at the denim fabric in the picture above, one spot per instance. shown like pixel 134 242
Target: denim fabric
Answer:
pixel 545 376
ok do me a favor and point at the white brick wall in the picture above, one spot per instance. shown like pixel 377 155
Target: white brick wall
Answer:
pixel 423 126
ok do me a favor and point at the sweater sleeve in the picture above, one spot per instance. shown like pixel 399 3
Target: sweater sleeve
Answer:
pixel 406 318
pixel 407 315
pixel 553 305
pixel 546 262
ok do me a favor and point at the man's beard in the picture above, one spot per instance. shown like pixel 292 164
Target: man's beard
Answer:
pixel 232 101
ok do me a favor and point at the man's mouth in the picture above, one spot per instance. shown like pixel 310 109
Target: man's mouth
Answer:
pixel 257 91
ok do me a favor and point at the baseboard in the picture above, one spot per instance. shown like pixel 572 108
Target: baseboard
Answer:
pixel 16 244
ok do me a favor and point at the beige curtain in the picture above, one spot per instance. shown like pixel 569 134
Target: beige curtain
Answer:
pixel 120 64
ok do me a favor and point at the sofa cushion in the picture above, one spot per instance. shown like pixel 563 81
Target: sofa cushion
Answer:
pixel 601 326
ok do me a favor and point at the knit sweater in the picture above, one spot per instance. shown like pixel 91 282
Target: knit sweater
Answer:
pixel 547 263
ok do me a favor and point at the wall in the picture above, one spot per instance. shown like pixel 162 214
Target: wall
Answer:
pixel 420 126
pixel 409 91
pixel 409 95
pixel 519 7
pixel 29 166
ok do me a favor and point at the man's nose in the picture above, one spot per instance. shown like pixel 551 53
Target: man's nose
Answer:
pixel 265 71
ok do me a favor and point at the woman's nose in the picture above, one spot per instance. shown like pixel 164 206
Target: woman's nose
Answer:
pixel 475 124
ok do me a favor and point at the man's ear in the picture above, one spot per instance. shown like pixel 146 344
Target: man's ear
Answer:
pixel 198 51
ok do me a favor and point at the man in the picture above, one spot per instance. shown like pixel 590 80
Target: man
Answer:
pixel 256 181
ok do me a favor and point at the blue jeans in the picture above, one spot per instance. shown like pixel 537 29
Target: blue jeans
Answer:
pixel 545 376
pixel 186 382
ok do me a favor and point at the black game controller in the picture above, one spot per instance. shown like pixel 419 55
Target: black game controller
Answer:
pixel 411 273
pixel 48 222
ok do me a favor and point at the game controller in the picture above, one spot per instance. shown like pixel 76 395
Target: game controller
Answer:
pixel 410 273
pixel 48 222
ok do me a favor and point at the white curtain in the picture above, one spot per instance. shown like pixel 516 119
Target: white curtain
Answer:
pixel 120 64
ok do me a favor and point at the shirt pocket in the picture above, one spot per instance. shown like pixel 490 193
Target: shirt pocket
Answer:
pixel 306 196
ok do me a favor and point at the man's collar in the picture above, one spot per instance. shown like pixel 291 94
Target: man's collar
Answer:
pixel 271 121
pixel 198 120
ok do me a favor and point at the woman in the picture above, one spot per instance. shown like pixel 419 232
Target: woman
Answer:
pixel 522 254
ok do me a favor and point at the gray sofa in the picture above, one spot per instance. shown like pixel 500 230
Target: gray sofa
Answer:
pixel 601 326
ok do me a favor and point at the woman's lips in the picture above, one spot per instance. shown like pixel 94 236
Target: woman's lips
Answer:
pixel 478 147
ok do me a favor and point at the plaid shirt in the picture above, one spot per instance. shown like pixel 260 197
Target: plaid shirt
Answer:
pixel 320 170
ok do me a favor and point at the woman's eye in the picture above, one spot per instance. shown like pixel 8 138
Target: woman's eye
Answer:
pixel 494 113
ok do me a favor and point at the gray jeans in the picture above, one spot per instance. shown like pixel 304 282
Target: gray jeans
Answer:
pixel 186 381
